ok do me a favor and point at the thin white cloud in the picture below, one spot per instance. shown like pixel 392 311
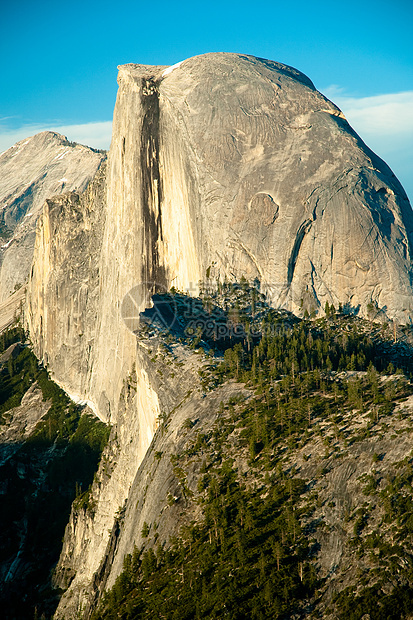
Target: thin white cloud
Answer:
pixel 96 135
pixel 382 114
pixel 385 123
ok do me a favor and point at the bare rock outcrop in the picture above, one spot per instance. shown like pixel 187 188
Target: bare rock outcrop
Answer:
pixel 32 170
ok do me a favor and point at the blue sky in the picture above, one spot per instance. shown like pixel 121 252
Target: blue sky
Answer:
pixel 58 61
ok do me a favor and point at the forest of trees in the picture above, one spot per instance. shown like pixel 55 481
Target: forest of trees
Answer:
pixel 249 557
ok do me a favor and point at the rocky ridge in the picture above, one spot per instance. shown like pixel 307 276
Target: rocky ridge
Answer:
pixel 32 170
pixel 350 455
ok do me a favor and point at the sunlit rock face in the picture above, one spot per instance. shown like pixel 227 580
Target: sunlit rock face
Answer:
pixel 225 164
pixel 241 163
pixel 276 185
pixel 32 170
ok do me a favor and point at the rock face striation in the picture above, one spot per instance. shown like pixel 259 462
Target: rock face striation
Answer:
pixel 32 170
pixel 227 163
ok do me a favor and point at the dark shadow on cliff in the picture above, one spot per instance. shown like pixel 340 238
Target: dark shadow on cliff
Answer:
pixel 224 315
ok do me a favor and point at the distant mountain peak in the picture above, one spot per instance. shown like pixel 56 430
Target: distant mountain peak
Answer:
pixel 32 170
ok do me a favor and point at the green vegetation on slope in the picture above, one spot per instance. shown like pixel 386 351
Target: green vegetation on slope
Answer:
pixel 40 476
pixel 389 548
pixel 248 555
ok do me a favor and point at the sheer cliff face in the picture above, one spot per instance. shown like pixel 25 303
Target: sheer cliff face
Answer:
pixel 240 162
pixel 32 170
pixel 275 184
pixel 63 297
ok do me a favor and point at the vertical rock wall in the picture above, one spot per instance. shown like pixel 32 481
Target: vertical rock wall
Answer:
pixel 89 529
pixel 63 297
pixel 148 237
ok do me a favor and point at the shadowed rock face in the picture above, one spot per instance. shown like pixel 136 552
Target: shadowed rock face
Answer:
pixel 226 161
pixel 32 170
